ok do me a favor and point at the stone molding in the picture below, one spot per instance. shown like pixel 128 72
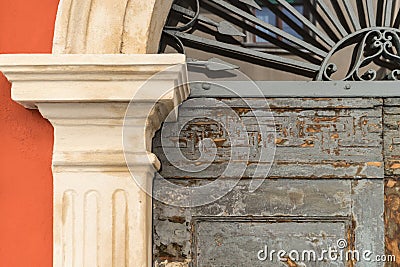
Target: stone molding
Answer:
pixel 102 217
pixel 109 26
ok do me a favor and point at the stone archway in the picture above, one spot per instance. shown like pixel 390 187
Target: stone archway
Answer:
pixel 109 27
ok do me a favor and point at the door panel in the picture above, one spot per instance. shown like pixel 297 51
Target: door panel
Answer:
pixel 230 243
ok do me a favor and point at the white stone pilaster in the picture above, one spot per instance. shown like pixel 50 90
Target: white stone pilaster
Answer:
pixel 102 217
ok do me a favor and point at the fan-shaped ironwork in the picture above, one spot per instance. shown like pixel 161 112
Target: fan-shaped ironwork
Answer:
pixel 367 29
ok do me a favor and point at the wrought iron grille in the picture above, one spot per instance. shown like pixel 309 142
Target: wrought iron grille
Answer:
pixel 365 32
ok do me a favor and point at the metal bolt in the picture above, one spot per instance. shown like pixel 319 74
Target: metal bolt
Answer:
pixel 206 86
pixel 347 87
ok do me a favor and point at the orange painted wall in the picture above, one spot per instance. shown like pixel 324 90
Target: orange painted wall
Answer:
pixel 26 140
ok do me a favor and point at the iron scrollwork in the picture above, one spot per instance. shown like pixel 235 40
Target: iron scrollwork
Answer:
pixel 380 46
pixel 372 37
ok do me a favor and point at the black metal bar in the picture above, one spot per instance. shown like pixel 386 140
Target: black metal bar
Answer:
pixel 371 13
pixel 307 23
pixel 223 27
pixel 396 23
pixel 352 15
pixel 388 13
pixel 335 22
pixel 340 13
pixel 270 28
pixel 317 17
pixel 306 34
pixel 278 42
pixel 379 12
pixel 362 13
pixel 306 69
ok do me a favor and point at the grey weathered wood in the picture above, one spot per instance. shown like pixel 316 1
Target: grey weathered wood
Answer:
pixel 368 208
pixel 392 101
pixel 328 174
pixel 314 138
pixel 356 205
pixel 284 198
pixel 391 118
pixel 237 243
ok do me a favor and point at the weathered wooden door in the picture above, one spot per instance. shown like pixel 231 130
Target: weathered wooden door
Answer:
pixel 323 199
